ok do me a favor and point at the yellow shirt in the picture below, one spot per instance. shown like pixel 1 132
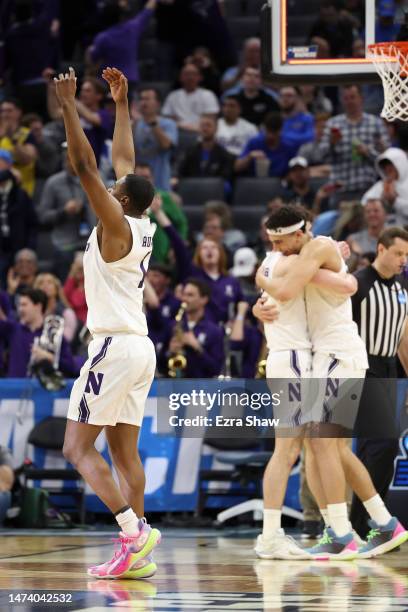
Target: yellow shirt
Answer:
pixel 26 170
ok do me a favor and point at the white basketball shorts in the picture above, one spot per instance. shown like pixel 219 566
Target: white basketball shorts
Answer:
pixel 337 387
pixel 288 373
pixel 114 382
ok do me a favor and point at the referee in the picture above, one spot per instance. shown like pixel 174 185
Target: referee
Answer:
pixel 380 309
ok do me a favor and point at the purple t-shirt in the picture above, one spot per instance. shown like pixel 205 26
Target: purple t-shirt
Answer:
pixel 118 45
pixel 98 134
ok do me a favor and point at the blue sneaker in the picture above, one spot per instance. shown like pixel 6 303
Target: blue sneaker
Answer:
pixel 331 546
pixel 383 538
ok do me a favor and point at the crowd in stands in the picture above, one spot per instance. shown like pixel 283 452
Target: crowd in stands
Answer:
pixel 205 125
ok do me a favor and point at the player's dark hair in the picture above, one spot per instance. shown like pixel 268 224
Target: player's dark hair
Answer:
pixel 37 296
pixel 162 269
pixel 388 236
pixel 203 288
pixel 288 214
pixel 140 192
pixel 273 122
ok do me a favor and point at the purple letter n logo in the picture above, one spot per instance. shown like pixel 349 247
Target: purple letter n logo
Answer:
pixel 94 381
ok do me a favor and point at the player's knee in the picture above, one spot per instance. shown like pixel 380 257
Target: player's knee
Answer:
pixel 73 452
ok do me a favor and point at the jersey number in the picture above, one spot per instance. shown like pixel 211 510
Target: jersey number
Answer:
pixel 144 271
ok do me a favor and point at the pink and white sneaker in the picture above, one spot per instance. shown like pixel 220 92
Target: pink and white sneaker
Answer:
pixel 131 560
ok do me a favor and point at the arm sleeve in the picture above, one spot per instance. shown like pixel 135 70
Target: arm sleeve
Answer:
pixel 67 363
pixel 181 252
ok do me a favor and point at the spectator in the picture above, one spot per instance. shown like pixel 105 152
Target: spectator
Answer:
pixel 159 319
pixel 268 146
pixel 201 57
pixel 118 45
pixel 207 157
pixel 187 104
pixel 298 127
pixel 251 58
pixel 311 150
pixel 6 481
pixel 63 208
pixel 245 344
pixel 155 137
pixel 386 28
pixel 22 275
pixel 375 216
pixel 171 204
pixel 48 152
pixel 18 227
pixel 21 334
pixel 32 45
pixel 96 121
pixel 256 101
pixel 208 264
pixel 299 189
pixel 335 28
pixel 19 141
pixel 392 189
pixel 202 340
pixel 233 132
pixel 315 100
pixel 74 288
pixel 351 142
pixel 218 225
pixel 57 303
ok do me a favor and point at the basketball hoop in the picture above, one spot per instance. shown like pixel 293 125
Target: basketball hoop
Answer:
pixel 391 62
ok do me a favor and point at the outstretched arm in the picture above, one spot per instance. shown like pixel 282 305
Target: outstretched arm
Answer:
pixel 299 274
pixel 82 157
pixel 123 149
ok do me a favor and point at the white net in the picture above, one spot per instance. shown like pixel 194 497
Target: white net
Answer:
pixel 391 62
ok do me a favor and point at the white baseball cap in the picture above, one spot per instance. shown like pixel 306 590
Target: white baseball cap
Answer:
pixel 245 261
pixel 298 161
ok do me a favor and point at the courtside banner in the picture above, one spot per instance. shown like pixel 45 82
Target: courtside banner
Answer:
pixel 278 407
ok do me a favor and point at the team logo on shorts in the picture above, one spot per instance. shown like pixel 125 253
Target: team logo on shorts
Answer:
pixel 94 382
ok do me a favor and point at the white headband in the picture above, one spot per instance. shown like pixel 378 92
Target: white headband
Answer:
pixel 282 231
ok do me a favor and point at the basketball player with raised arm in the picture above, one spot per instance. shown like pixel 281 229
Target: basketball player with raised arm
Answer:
pixel 289 362
pixel 111 390
pixel 337 353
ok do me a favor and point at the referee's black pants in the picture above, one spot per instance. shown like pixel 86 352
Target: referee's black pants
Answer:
pixel 376 432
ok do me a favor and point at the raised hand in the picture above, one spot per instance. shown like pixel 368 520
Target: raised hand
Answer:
pixel 65 86
pixel 118 84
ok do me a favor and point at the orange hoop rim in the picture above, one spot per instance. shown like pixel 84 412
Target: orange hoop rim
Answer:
pixel 390 48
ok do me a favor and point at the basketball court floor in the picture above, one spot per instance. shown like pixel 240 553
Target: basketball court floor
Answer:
pixel 197 571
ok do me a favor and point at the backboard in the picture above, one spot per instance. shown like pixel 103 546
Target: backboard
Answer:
pixel 314 41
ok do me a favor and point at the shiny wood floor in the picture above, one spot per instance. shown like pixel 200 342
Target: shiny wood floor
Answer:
pixel 216 574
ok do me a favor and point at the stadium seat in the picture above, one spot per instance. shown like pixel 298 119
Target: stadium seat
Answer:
pixel 247 219
pixel 197 191
pixel 243 27
pixel 253 7
pixel 255 191
pixel 195 216
pixel 234 8
pixel 147 48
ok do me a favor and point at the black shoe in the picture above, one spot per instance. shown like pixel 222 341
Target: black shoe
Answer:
pixel 311 530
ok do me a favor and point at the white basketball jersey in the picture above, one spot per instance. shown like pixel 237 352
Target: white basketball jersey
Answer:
pixel 289 331
pixel 331 326
pixel 114 291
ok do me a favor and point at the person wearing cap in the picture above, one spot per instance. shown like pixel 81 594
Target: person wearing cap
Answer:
pixel 18 226
pixel 62 209
pixel 299 189
pixel 244 268
pixel 19 141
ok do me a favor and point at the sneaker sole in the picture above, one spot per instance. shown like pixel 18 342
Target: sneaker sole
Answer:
pixel 144 572
pixel 347 556
pixel 386 547
pixel 283 557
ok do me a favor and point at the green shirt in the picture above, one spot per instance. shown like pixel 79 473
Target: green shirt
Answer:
pixel 161 243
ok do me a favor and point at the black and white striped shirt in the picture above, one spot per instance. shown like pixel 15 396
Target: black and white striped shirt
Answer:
pixel 380 308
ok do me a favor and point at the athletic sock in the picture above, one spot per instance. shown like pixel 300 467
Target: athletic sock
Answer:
pixel 127 521
pixel 377 510
pixel 325 515
pixel 338 518
pixel 271 522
